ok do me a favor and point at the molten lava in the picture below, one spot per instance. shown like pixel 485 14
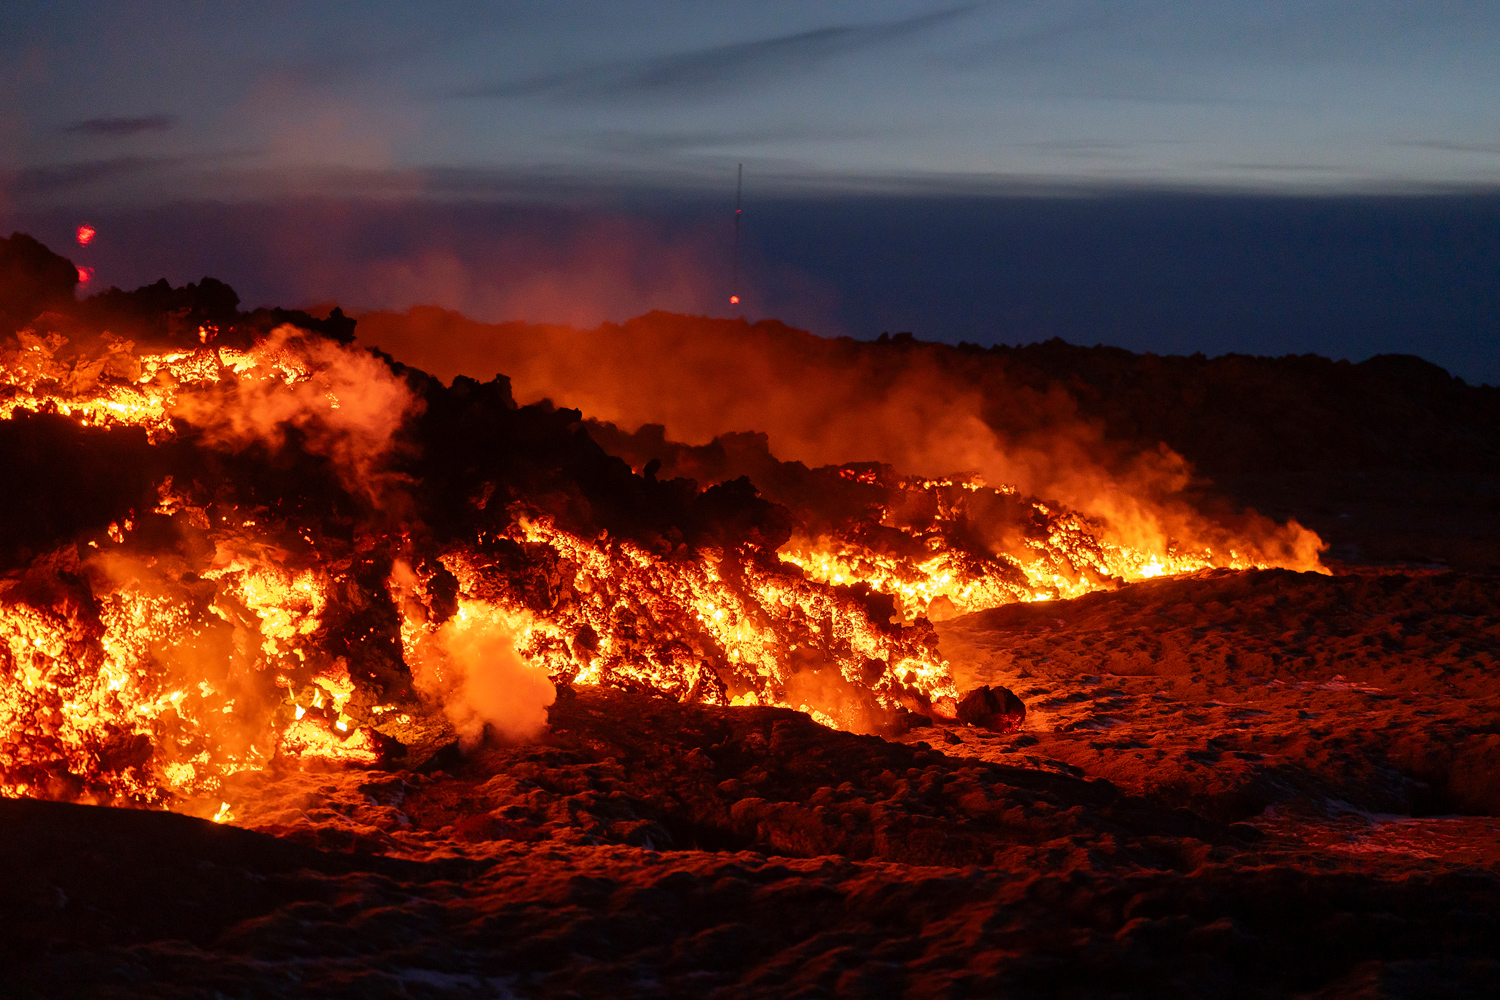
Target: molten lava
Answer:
pixel 298 586
pixel 935 571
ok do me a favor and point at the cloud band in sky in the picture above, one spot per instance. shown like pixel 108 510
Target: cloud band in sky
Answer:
pixel 122 128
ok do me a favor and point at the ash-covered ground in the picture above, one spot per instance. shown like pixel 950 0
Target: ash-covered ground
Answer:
pixel 1255 783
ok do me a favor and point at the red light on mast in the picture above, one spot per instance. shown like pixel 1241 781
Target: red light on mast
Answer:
pixel 734 300
pixel 85 275
pixel 86 234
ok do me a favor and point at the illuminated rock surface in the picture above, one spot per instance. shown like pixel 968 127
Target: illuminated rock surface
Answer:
pixel 782 857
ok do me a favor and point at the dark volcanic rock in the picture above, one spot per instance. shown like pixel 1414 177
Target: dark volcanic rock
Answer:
pixel 33 280
pixel 64 479
pixel 538 871
pixel 994 708
pixel 83 877
pixel 634 769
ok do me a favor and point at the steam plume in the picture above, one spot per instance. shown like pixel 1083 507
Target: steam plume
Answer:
pixel 492 684
pixel 348 408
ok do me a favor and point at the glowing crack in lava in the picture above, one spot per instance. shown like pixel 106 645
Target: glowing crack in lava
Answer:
pixel 288 590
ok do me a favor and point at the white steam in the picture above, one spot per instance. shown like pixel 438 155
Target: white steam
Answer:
pixel 347 404
pixel 490 682
pixel 469 665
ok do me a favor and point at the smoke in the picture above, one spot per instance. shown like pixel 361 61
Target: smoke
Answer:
pixel 346 404
pixel 584 272
pixel 850 707
pixel 494 685
pixel 469 665
pixel 925 409
pixel 540 262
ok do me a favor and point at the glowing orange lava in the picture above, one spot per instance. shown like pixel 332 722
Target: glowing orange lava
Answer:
pixel 147 671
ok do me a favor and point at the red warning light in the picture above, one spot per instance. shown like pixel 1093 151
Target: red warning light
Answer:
pixel 734 300
pixel 86 234
pixel 85 274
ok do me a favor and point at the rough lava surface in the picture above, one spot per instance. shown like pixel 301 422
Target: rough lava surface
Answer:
pixel 643 848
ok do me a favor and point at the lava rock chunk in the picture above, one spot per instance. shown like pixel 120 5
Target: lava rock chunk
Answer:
pixel 994 708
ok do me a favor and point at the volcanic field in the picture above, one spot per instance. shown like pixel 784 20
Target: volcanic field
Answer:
pixel 693 657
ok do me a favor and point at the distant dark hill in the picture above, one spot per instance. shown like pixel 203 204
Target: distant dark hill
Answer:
pixel 1238 414
pixel 38 290
pixel 1391 459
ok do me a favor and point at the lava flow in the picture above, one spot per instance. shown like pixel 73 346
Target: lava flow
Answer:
pixel 270 548
pixel 954 545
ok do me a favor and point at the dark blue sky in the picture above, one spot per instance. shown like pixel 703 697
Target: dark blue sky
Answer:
pixel 1173 176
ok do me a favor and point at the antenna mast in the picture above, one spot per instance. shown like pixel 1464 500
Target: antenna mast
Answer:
pixel 734 288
